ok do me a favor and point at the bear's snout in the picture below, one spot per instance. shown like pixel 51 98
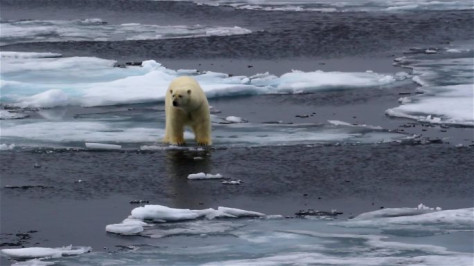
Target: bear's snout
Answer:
pixel 175 103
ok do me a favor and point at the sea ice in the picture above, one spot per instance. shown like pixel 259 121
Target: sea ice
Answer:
pixel 102 146
pixel 159 213
pixel 458 219
pixel 234 119
pixel 6 147
pixel 95 29
pixel 40 252
pixel 27 82
pixel 449 105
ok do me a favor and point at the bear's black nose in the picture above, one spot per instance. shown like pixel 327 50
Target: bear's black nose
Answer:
pixel 175 103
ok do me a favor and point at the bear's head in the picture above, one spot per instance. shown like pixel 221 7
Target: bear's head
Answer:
pixel 181 97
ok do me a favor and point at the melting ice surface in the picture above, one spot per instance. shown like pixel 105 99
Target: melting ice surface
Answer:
pixel 227 236
pixel 447 79
pixel 45 91
pixel 96 29
pixel 340 6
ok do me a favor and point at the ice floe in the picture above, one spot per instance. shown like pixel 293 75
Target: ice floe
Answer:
pixel 50 82
pixel 421 216
pixel 42 252
pixel 96 29
pixel 449 105
pixel 157 213
pixel 339 6
pixel 446 80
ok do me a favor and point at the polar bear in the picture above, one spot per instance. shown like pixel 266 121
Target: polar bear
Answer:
pixel 186 105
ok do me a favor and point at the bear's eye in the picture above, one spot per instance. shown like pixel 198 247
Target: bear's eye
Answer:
pixel 180 96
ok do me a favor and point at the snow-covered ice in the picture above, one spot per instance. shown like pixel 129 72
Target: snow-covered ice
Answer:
pixel 95 29
pixel 448 89
pixel 158 213
pixel 6 147
pixel 234 119
pixel 340 6
pixel 42 81
pixel 421 217
pixel 41 252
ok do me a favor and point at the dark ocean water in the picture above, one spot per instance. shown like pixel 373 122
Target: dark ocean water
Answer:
pixel 346 160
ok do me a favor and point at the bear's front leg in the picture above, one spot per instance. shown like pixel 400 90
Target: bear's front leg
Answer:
pixel 175 134
pixel 202 133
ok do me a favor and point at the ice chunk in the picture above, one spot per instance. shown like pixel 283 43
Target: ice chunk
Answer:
pixel 342 123
pixel 415 217
pixel 234 119
pixel 6 147
pixel 124 229
pixel 27 55
pixel 394 212
pixel 159 213
pixel 163 213
pixel 102 146
pixel 40 252
pixel 448 105
pixel 204 176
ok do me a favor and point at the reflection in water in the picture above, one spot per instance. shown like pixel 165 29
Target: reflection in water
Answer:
pixel 181 163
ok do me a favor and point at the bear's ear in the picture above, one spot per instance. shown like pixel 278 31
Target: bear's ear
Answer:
pixel 189 91
pixel 171 91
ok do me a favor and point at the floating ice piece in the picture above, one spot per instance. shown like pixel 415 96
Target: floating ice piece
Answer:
pixel 158 213
pixel 102 146
pixel 95 29
pixel 458 219
pixel 40 252
pixel 232 182
pixel 6 147
pixel 27 55
pixel 394 212
pixel 449 105
pixel 128 226
pixel 235 119
pixel 342 123
pixel 204 176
